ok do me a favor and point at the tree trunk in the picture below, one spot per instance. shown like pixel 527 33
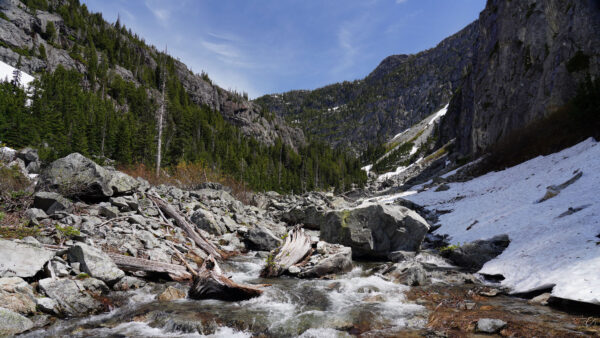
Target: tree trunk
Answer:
pixel 126 263
pixel 205 245
pixel 210 283
pixel 296 247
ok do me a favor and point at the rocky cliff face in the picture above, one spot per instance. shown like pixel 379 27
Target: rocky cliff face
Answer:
pixel 528 61
pixel 400 92
pixel 21 35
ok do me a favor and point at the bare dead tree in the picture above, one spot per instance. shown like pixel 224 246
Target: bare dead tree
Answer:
pixel 161 114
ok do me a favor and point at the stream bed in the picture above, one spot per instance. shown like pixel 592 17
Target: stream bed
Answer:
pixel 356 303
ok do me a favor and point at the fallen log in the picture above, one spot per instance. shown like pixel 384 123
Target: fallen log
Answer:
pixel 295 248
pixel 132 264
pixel 200 241
pixel 210 283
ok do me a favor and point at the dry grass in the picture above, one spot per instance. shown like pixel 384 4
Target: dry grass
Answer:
pixel 188 176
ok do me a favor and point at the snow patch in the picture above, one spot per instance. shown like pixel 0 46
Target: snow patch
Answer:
pixel 439 114
pixel 6 74
pixel 546 248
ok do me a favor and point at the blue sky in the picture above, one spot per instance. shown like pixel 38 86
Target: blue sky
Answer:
pixel 271 46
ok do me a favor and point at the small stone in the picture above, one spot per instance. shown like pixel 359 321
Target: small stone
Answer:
pixel 488 325
pixel 171 293
pixel 294 270
pixel 108 211
pixel 47 305
pixel 541 299
pixel 489 293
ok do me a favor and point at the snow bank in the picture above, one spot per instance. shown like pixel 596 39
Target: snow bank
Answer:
pixel 545 249
pixel 439 114
pixel 6 74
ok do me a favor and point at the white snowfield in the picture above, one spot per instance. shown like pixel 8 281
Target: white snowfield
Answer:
pixel 545 249
pixel 6 74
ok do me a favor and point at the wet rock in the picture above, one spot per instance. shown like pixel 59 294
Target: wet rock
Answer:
pixel 488 325
pixel 541 299
pixel 411 273
pixel 171 293
pixel 475 254
pixel 206 221
pixel 400 256
pixel 261 239
pixel 51 202
pixel 16 295
pixel 376 230
pixel 21 259
pixel 95 263
pixel 331 259
pixel 128 282
pixel 71 297
pixel 12 323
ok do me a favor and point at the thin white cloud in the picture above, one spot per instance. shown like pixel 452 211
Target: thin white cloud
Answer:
pixel 161 13
pixel 401 1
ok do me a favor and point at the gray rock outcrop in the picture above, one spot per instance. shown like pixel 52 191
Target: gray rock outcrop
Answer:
pixel 22 260
pixel 95 263
pixel 376 230
pixel 12 323
pixel 71 297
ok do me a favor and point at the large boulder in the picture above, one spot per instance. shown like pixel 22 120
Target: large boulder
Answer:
pixel 50 202
pixel 77 176
pixel 311 216
pixel 16 295
pixel 259 238
pixel 72 297
pixel 206 221
pixel 21 259
pixel 474 255
pixel 376 230
pixel 12 323
pixel 95 263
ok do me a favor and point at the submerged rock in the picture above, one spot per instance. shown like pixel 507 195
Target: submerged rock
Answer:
pixel 376 230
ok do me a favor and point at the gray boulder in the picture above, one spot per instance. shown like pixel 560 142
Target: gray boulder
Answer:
pixel 261 239
pixel 311 217
pixel 475 254
pixel 376 230
pixel 71 296
pixel 488 325
pixel 206 221
pixel 51 202
pixel 28 155
pixel 47 305
pixel 12 323
pixel 77 176
pixel 21 259
pixel 35 215
pixel 330 259
pixel 95 263
pixel 16 295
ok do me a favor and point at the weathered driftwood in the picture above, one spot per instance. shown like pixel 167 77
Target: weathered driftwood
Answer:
pixel 210 283
pixel 296 247
pixel 132 264
pixel 204 244
pixel 127 263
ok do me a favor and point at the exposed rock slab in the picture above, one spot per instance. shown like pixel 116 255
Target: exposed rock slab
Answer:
pixel 95 263
pixel 12 323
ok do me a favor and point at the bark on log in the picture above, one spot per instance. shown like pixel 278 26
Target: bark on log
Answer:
pixel 296 247
pixel 200 241
pixel 210 283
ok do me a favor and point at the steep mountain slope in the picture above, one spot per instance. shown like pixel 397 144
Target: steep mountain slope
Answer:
pixel 24 35
pixel 400 92
pixel 529 60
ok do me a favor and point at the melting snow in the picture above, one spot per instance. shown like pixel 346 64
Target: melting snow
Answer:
pixel 6 74
pixel 545 249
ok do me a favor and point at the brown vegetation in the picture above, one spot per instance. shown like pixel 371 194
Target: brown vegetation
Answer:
pixel 188 176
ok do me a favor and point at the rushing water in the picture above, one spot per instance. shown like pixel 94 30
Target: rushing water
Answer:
pixel 357 302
